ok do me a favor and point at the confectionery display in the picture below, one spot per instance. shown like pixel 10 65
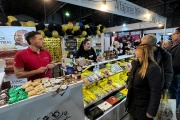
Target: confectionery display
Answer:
pixel 53 45
pixel 35 88
pixel 3 97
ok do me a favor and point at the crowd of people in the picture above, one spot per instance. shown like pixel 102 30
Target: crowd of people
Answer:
pixel 155 71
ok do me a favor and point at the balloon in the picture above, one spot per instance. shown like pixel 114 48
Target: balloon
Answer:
pixel 80 24
pixel 61 33
pixel 69 32
pixel 30 24
pixel 40 26
pixel 77 24
pixel 99 26
pixel 11 18
pixel 48 33
pixel 42 32
pixel 46 28
pixel 15 23
pixel 75 28
pixel 98 32
pixel 88 30
pixel 23 23
pixel 104 30
pixel 51 27
pixel 64 27
pixel 84 33
pixel 70 25
pixel 82 28
pixel 3 19
pixel 58 27
pixel 86 26
pixel 55 33
pixel 79 32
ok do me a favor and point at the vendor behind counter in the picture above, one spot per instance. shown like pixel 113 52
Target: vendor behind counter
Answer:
pixel 85 50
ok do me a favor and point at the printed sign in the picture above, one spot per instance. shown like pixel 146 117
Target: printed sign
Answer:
pixel 13 37
pixel 71 44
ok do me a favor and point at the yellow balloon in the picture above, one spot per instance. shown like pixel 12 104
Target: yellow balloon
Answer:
pixel 99 26
pixel 77 24
pixel 86 26
pixel 70 25
pixel 75 28
pixel 42 32
pixel 55 33
pixel 30 24
pixel 23 23
pixel 64 27
pixel 84 33
pixel 104 30
pixel 98 32
pixel 11 18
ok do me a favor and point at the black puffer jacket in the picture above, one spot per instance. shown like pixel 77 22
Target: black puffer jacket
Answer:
pixel 144 94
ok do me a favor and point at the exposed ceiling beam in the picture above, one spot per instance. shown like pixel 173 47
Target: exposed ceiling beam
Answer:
pixel 162 1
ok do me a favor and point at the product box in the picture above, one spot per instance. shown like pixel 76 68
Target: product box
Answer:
pixel 93 112
pixel 104 106
pixel 112 100
pixel 120 96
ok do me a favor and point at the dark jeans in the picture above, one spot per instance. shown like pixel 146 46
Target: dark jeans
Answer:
pixel 133 118
pixel 175 89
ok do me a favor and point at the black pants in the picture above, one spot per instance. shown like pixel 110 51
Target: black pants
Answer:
pixel 133 118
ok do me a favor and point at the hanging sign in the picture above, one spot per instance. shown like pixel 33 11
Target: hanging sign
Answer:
pixel 118 7
pixel 70 44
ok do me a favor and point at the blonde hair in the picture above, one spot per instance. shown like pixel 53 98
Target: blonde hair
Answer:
pixel 146 56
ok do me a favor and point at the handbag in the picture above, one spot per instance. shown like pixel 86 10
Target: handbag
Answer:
pixel 167 109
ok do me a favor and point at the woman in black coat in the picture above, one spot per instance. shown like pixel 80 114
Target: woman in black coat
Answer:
pixel 144 85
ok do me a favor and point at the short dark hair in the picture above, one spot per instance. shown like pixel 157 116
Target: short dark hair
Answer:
pixel 178 29
pixel 31 35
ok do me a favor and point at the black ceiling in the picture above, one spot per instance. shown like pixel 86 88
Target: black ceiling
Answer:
pixel 35 9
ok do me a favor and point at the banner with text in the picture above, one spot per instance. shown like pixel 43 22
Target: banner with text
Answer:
pixel 13 37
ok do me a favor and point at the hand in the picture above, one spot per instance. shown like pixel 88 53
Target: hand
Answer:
pixel 98 59
pixel 129 68
pixel 50 66
pixel 41 69
pixel 149 116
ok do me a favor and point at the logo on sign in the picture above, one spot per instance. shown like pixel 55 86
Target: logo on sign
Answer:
pixel 71 44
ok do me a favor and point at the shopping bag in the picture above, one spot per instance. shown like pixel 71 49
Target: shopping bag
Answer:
pixel 167 109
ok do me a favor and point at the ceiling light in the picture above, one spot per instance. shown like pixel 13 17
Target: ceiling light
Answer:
pixel 124 25
pixel 104 6
pixel 160 25
pixel 147 15
pixel 114 32
pixel 67 14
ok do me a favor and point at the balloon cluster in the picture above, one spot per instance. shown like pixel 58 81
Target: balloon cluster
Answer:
pixel 12 21
pixel 79 30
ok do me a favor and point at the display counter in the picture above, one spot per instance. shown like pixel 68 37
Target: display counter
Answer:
pixel 66 105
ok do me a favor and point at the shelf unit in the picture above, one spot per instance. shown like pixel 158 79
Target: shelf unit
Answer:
pixel 105 96
pixel 116 112
pixel 100 79
pixel 107 61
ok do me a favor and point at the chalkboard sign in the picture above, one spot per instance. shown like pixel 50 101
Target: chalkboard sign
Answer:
pixel 71 44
